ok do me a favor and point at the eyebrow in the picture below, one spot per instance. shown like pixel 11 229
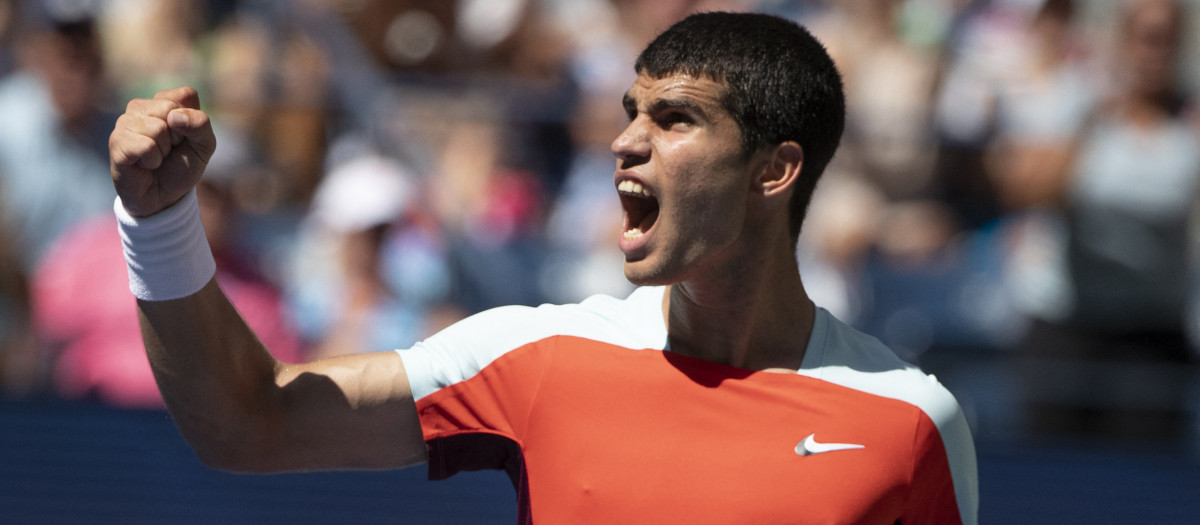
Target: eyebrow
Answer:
pixel 662 104
pixel 629 104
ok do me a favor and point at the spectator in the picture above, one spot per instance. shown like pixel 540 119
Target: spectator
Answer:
pixel 886 245
pixel 152 44
pixel 988 58
pixel 1128 193
pixel 1042 104
pixel 492 211
pixel 369 272
pixel 270 84
pixel 53 136
pixel 889 83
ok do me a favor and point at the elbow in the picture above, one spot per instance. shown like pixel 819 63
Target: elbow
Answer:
pixel 239 457
pixel 221 462
pixel 225 461
pixel 233 446
pixel 238 433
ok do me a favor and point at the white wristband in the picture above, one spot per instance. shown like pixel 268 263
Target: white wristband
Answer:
pixel 167 253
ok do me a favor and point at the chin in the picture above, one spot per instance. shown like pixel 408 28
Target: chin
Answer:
pixel 642 274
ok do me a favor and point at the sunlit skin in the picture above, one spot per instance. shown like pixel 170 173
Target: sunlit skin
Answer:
pixel 720 238
pixel 684 147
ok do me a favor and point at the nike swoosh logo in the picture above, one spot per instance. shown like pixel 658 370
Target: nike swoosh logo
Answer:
pixel 810 446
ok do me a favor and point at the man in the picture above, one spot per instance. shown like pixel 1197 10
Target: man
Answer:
pixel 52 133
pixel 716 393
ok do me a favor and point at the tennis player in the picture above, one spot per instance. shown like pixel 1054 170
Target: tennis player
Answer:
pixel 717 392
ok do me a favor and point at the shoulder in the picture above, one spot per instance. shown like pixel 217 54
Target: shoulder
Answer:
pixel 467 347
pixel 625 322
pixel 848 357
pixel 843 355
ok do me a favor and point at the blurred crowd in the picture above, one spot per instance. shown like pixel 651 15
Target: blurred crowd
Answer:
pixel 1012 205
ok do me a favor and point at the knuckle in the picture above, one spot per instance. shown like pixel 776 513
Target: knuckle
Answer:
pixel 150 160
pixel 138 146
pixel 155 127
pixel 123 150
pixel 177 95
pixel 198 119
pixel 188 96
pixel 117 155
pixel 123 123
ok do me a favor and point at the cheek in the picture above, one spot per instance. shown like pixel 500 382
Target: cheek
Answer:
pixel 712 206
pixel 707 189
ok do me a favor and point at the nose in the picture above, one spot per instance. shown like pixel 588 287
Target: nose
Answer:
pixel 631 147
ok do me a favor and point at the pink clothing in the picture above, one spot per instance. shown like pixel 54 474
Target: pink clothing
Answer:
pixel 83 311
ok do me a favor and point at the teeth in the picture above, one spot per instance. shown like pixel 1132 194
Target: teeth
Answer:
pixel 633 233
pixel 633 187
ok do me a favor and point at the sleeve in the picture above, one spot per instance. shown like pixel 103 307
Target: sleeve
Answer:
pixel 474 385
pixel 944 484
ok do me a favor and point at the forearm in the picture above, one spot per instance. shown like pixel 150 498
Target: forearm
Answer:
pixel 237 406
pixel 212 371
pixel 217 379
pixel 242 410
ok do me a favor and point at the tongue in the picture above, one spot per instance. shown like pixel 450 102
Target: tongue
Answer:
pixel 648 221
pixel 640 213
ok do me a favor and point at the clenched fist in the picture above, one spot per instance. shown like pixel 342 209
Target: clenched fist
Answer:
pixel 159 149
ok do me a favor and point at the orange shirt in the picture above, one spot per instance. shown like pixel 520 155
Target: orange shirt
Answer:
pixel 597 423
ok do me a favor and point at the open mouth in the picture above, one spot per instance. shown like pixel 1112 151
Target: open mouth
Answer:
pixel 641 208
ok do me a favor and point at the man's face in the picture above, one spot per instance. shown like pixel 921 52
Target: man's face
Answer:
pixel 71 66
pixel 1152 35
pixel 682 180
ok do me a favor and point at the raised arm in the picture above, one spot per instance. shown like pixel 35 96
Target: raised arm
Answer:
pixel 237 406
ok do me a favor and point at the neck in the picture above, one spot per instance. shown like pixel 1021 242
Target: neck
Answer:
pixel 1146 109
pixel 754 315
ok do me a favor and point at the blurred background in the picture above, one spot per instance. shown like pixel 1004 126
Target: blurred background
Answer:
pixel 1013 207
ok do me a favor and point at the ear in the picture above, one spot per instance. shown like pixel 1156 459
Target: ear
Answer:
pixel 781 169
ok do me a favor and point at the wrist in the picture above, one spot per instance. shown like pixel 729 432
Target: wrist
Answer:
pixel 167 252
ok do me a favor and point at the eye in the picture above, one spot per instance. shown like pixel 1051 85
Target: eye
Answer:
pixel 673 120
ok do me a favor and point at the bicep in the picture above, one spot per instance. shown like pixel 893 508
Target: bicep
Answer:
pixel 353 411
pixel 359 411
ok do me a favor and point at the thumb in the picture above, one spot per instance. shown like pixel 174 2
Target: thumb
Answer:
pixel 193 125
